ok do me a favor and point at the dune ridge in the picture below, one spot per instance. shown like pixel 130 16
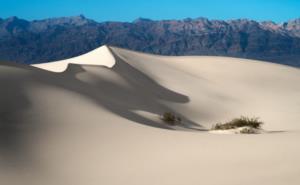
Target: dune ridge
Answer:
pixel 90 58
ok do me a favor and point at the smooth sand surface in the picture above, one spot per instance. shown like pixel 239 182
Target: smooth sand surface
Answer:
pixel 97 121
pixel 91 58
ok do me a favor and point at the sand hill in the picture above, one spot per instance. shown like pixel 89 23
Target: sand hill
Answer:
pixel 94 119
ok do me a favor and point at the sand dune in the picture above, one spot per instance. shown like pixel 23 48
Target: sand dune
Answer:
pixel 94 119
pixel 91 58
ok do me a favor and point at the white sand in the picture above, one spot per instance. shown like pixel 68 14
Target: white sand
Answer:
pixel 99 124
pixel 91 58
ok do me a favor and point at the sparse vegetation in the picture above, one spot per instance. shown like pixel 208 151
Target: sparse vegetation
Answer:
pixel 170 118
pixel 243 121
pixel 248 130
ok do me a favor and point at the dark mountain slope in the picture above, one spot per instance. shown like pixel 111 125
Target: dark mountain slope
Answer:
pixel 53 39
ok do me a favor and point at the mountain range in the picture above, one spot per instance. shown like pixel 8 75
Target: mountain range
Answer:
pixel 52 39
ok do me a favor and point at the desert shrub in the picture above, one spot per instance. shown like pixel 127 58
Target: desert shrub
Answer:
pixel 239 122
pixel 170 118
pixel 248 130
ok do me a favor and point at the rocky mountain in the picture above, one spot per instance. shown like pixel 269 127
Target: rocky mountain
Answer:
pixel 58 38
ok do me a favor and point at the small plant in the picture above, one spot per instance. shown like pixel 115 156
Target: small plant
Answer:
pixel 248 130
pixel 239 122
pixel 170 118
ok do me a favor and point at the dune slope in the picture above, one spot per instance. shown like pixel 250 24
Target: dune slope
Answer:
pixel 94 119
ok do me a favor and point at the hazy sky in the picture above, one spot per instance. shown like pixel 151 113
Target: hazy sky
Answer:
pixel 128 10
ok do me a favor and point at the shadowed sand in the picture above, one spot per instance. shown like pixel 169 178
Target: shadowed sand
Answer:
pixel 94 119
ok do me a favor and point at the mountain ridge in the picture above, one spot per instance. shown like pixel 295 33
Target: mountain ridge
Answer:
pixel 51 39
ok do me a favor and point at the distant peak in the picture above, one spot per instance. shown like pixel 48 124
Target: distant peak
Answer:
pixel 140 19
pixel 294 21
pixel 79 17
pixel 201 19
pixel 15 21
pixel 78 20
pixel 293 26
pixel 195 19
pixel 12 18
pixel 240 20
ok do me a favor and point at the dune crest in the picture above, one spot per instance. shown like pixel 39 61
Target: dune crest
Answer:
pixel 101 56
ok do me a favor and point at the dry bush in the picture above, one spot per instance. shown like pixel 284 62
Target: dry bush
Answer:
pixel 239 122
pixel 248 130
pixel 171 118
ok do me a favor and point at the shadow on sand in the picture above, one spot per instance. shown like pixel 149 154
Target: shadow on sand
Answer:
pixel 140 92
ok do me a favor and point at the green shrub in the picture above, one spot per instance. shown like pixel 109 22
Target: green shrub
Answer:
pixel 170 118
pixel 239 122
